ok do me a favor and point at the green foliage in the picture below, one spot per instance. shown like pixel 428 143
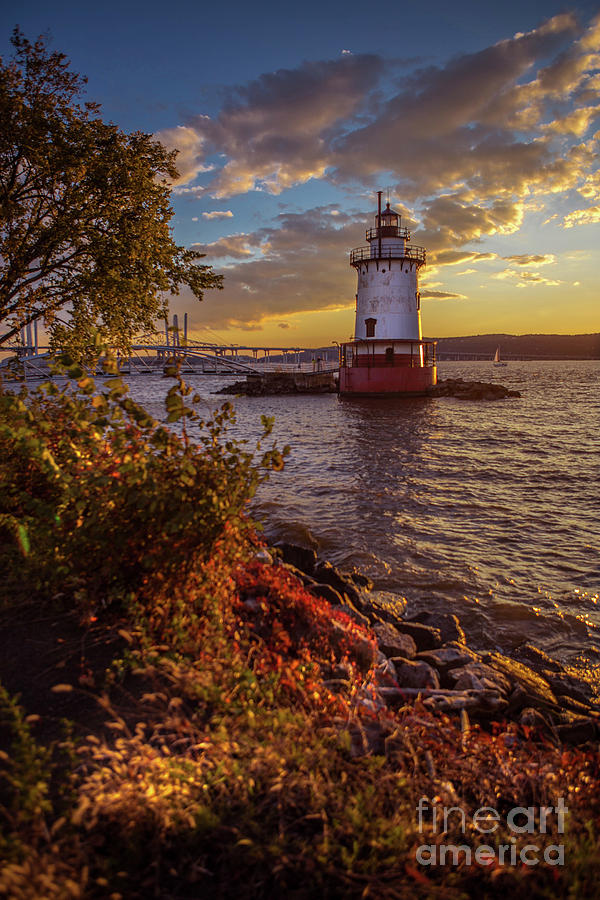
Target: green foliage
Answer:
pixel 23 772
pixel 100 496
pixel 84 212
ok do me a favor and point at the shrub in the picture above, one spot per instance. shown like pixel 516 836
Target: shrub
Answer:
pixel 98 493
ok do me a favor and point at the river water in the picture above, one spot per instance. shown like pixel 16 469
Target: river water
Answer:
pixel 490 510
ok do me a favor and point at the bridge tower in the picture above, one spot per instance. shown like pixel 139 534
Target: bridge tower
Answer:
pixel 387 355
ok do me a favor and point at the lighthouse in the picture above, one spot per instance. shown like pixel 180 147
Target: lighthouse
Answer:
pixel 387 355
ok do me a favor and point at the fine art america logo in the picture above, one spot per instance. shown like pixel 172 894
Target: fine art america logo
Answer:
pixel 520 820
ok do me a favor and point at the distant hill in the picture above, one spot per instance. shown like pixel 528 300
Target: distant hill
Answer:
pixel 519 346
pixel 483 346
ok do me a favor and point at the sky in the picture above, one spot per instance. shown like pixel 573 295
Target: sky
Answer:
pixel 479 121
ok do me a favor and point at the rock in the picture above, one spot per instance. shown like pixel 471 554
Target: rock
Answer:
pixel 370 699
pixel 349 610
pixel 478 676
pixel 326 592
pixel 297 573
pixel 578 731
pixel 447 623
pixel 385 672
pixel 238 387
pixel 452 703
pixel 416 675
pixel 263 556
pixel 471 390
pixel 328 574
pixel 383 606
pixel 533 689
pixel 361 580
pixel 364 650
pixel 446 658
pixel 342 670
pixel 565 685
pixel 261 384
pixel 424 636
pixel 307 580
pixel 581 709
pixel 479 703
pixel 533 718
pixel 470 682
pixel 392 642
pixel 304 558
pixel 537 659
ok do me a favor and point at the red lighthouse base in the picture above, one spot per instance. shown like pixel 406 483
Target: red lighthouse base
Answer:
pixel 379 374
pixel 371 382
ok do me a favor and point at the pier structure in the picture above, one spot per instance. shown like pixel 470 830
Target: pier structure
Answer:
pixel 150 353
pixel 387 354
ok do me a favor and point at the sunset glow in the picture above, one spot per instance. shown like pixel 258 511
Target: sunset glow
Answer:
pixel 485 135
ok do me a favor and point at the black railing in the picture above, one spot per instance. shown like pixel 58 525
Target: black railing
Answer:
pixel 349 355
pixel 363 254
pixel 386 231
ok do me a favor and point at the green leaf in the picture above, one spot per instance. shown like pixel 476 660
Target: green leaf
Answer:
pixel 23 538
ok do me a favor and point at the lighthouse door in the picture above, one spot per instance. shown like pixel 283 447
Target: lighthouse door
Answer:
pixel 389 356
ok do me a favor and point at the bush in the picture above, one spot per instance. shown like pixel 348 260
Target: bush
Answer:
pixel 98 494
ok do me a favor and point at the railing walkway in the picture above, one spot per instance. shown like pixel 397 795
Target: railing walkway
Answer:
pixel 150 353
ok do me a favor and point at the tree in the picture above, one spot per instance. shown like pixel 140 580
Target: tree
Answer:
pixel 84 211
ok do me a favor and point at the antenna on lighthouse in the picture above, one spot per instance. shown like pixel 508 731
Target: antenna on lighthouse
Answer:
pixel 379 193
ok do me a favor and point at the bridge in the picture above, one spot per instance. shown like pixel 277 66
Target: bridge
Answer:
pixel 151 352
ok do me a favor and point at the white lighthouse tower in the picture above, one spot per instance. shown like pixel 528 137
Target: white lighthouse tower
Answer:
pixel 387 354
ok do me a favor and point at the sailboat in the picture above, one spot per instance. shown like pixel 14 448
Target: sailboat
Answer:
pixel 497 358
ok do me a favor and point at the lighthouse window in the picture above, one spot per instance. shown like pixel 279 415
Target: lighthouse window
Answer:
pixel 370 327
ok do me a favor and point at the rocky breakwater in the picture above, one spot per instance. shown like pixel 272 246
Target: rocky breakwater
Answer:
pixel 283 383
pixel 426 656
pixel 471 390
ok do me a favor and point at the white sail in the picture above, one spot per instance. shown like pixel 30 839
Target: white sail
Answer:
pixel 497 358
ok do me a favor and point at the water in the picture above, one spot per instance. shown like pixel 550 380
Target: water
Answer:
pixel 485 509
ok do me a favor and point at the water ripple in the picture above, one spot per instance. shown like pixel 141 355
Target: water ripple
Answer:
pixel 489 510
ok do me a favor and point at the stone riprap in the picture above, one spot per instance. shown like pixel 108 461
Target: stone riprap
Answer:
pixel 427 657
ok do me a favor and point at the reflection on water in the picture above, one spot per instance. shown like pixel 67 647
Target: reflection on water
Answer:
pixel 485 509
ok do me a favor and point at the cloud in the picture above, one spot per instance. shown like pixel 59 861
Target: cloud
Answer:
pixel 234 246
pixel 531 259
pixel 190 151
pixel 457 257
pixel 487 126
pixel 218 214
pixel 277 131
pixel 525 278
pixel 471 147
pixel 449 124
pixel 299 263
pixel 452 220
pixel 582 217
pixel 283 325
pixel 577 122
pixel 441 295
